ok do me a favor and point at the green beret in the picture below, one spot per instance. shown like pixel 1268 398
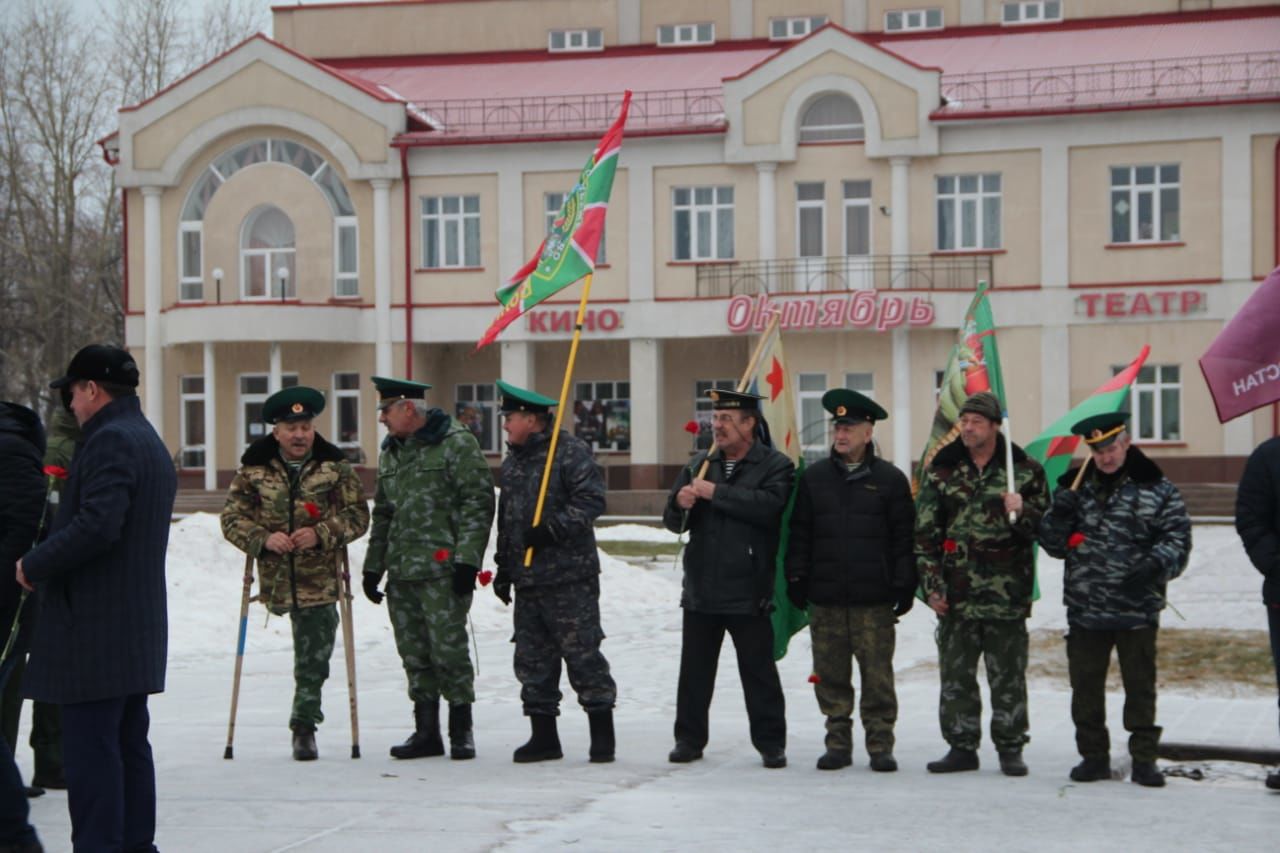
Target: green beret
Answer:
pixel 849 407
pixel 1099 431
pixel 298 403
pixel 983 403
pixel 734 400
pixel 393 390
pixel 514 399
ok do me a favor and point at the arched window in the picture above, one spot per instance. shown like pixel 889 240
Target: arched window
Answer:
pixel 267 255
pixel 832 118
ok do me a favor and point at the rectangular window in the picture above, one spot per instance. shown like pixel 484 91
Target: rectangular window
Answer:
pixel 602 414
pixel 810 225
pixel 1145 204
pixel 790 29
pixel 254 392
pixel 812 417
pixel 677 35
pixel 863 383
pixel 968 212
pixel 1031 12
pixel 703 218
pixel 902 20
pixel 1155 401
pixel 476 408
pixel 191 405
pixel 857 218
pixel 450 231
pixel 191 284
pixel 346 279
pixel 570 41
pixel 346 416
pixel 553 202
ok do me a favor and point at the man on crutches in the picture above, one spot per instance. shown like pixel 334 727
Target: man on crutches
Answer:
pixel 294 505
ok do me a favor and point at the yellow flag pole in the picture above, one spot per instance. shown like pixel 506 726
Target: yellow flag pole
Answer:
pixel 564 397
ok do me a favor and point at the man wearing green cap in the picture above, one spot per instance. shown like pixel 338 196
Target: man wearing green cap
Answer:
pixel 849 560
pixel 1124 534
pixel 431 518
pixel 294 504
pixel 557 610
pixel 978 572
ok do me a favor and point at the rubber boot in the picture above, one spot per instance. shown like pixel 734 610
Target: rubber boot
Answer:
pixel 1147 774
pixel 304 743
pixel 954 761
pixel 884 762
pixel 602 740
pixel 834 759
pixel 425 741
pixel 1094 769
pixel 1011 763
pixel 544 742
pixel 462 744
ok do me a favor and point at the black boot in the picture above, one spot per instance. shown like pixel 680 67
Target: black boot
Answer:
pixel 1011 763
pixel 304 742
pixel 462 743
pixel 1093 769
pixel 1147 774
pixel 425 741
pixel 834 759
pixel 883 762
pixel 1273 781
pixel 602 740
pixel 544 742
pixel 683 753
pixel 954 761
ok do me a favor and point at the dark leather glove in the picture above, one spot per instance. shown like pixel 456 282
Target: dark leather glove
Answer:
pixel 370 584
pixel 798 592
pixel 1066 501
pixel 502 587
pixel 1143 577
pixel 464 579
pixel 906 600
pixel 538 537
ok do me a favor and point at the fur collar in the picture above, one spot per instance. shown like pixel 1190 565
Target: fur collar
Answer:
pixel 262 451
pixel 955 453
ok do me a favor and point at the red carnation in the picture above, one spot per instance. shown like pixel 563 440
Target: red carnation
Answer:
pixel 814 679
pixel 484 577
pixel 55 471
pixel 949 545
pixel 1075 539
pixel 692 428
pixel 312 509
pixel 441 554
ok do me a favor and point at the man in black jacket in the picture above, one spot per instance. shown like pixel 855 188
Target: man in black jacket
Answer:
pixel 732 511
pixel 849 555
pixel 101 639
pixel 1258 523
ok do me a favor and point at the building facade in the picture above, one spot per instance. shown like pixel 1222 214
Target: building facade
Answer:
pixel 342 200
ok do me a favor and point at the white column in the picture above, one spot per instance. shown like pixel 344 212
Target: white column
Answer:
pixel 900 246
pixel 1237 206
pixel 273 377
pixel 153 373
pixel 855 16
pixel 518 365
pixel 767 209
pixel 210 419
pixel 646 391
pixel 382 276
pixel 1055 268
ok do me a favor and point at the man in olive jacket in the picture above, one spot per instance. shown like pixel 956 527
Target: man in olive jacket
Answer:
pixel 295 504
pixel 849 559
pixel 733 515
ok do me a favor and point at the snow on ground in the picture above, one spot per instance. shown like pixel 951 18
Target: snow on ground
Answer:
pixel 263 801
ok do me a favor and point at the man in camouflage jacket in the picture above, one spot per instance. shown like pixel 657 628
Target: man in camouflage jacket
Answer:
pixel 557 609
pixel 295 504
pixel 1124 535
pixel 431 518
pixel 977 571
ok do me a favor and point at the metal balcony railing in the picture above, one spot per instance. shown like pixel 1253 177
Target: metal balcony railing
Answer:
pixel 673 110
pixel 864 272
pixel 1225 77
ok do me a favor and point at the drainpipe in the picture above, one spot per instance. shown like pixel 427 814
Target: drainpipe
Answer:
pixel 408 266
pixel 124 259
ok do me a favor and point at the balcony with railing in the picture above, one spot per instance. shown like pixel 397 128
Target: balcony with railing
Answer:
pixel 1224 78
pixel 652 113
pixel 858 272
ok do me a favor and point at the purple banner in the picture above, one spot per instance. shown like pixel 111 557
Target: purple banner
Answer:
pixel 1242 365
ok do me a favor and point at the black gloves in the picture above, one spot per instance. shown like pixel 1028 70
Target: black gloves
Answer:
pixel 906 600
pixel 502 587
pixel 464 579
pixel 538 537
pixel 1143 577
pixel 798 592
pixel 1067 501
pixel 370 584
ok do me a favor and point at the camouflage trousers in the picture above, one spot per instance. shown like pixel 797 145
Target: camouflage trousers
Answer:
pixel 1002 646
pixel 840 635
pixel 430 626
pixel 561 623
pixel 314 629
pixel 1088 659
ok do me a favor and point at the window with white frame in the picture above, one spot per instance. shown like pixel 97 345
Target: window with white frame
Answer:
pixel 703 221
pixel 346 279
pixel 191 405
pixel 810 216
pixel 832 118
pixel 702 408
pixel 902 20
pixel 570 41
pixel 254 391
pixel 553 203
pixel 812 417
pixel 190 256
pixel 857 218
pixel 789 29
pixel 267 255
pixel 346 415
pixel 1155 402
pixel 1145 204
pixel 450 231
pixel 968 212
pixel 1031 11
pixel 678 35
pixel 602 414
pixel 863 383
pixel 476 408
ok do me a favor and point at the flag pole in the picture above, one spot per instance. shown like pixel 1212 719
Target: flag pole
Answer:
pixel 1008 461
pixel 564 397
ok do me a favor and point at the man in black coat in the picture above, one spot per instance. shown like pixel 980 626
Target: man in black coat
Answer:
pixel 1258 523
pixel 101 639
pixel 732 513
pixel 849 555
pixel 22 496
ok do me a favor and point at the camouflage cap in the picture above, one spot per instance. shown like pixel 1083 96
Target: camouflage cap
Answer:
pixel 983 403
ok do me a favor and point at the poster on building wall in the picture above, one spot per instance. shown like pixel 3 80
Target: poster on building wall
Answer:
pixel 618 424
